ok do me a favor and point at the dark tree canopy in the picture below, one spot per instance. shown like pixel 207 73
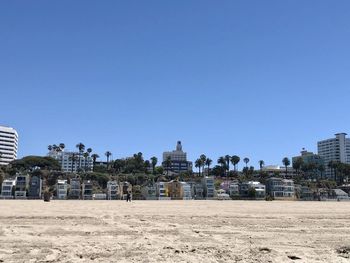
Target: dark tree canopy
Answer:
pixel 31 162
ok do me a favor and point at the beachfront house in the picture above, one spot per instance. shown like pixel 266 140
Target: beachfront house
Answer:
pixel 197 191
pixel 61 189
pixel 339 194
pixel 162 191
pixel 7 187
pixel 279 188
pixel 113 190
pixel 252 190
pixel 175 190
pixel 99 196
pixel 87 190
pixel 125 188
pixel 186 191
pixel 233 190
pixel 21 187
pixel 149 192
pixel 35 187
pixel 208 187
pixel 75 188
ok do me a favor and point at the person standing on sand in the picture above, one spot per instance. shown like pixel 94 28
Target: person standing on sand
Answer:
pixel 128 197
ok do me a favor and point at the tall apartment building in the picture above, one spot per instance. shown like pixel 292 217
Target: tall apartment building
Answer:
pixel 178 159
pixel 8 145
pixel 334 149
pixel 70 161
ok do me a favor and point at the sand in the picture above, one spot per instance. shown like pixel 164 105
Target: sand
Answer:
pixel 174 231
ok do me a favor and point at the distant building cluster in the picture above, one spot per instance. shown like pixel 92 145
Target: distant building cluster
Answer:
pixel 31 187
pixel 332 150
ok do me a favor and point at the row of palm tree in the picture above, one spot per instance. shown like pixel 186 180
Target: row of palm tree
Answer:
pixel 201 162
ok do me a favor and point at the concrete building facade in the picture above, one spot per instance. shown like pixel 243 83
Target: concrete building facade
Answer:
pixel 7 187
pixel 35 187
pixel 70 162
pixel 335 149
pixel 8 145
pixel 178 159
pixel 61 189
pixel 74 188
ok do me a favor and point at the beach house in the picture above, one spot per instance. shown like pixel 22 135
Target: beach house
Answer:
pixel 113 190
pixel 35 187
pixel 87 191
pixel 61 189
pixel 75 188
pixel 7 187
pixel 233 190
pixel 186 191
pixel 252 190
pixel 279 188
pixel 149 192
pixel 162 191
pixel 21 187
pixel 208 187
pixel 125 188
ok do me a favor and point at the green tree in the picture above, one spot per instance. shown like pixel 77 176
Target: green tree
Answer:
pixel 29 163
pixel 167 164
pixel 286 163
pixel 73 158
pixel 198 164
pixel 203 159
pixel 235 160
pixel 81 147
pixel 94 157
pixel 227 160
pixel 246 161
pixel 298 164
pixel 108 154
pixel 154 161
pixel 261 164
pixel 208 162
pixel 86 155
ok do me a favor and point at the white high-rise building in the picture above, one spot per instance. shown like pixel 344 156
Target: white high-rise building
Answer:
pixel 72 161
pixel 334 149
pixel 8 145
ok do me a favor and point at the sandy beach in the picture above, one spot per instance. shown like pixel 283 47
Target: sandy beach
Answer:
pixel 174 231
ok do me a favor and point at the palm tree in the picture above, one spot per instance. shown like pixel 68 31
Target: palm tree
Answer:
pixel 81 147
pixel 198 164
pixel 108 154
pixel 73 158
pixel 235 160
pixel 203 158
pixel 208 162
pixel 227 160
pixel 298 164
pixel 321 168
pixel 222 161
pixel 62 146
pixel 167 164
pixel 86 155
pixel 261 164
pixel 246 161
pixel 94 156
pixel 154 161
pixel 286 163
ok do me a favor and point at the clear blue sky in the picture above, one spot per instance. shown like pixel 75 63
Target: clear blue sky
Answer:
pixel 260 79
